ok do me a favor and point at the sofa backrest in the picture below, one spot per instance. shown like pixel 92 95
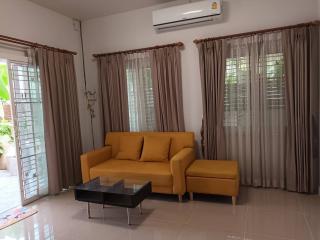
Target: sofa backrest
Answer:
pixel 179 140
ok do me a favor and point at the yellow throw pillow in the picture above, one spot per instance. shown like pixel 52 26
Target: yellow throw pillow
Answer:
pixel 130 147
pixel 156 149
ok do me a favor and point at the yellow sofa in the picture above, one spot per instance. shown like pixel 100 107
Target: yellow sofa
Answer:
pixel 166 176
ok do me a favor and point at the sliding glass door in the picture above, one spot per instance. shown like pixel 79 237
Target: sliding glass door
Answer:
pixel 29 130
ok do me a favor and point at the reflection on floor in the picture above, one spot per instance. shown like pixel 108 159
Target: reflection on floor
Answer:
pixel 9 191
pixel 261 215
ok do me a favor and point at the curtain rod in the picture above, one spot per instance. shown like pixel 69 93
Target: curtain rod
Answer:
pixel 32 44
pixel 258 32
pixel 179 44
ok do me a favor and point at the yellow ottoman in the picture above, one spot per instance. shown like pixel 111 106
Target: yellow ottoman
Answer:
pixel 214 177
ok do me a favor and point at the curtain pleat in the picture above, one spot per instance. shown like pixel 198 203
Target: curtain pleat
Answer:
pixel 301 53
pixel 212 56
pixel 142 91
pixel 167 88
pixel 113 93
pixel 61 118
pixel 261 106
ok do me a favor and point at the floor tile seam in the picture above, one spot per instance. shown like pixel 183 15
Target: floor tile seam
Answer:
pixel 267 236
pixel 301 212
pixel 308 226
pixel 246 219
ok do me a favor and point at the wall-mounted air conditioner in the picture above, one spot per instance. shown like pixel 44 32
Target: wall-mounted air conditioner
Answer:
pixel 195 12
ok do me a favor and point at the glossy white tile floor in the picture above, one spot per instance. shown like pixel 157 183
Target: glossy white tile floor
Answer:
pixel 9 191
pixel 261 215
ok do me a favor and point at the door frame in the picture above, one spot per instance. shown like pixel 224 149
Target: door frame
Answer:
pixel 23 60
pixel 12 57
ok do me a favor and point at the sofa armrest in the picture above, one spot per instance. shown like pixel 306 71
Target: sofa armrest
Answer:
pixel 93 158
pixel 179 163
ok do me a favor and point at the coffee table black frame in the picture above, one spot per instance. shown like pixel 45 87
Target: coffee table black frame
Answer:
pixel 116 193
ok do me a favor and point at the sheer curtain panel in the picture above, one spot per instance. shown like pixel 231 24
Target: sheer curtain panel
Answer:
pixel 140 92
pixel 254 109
pixel 270 113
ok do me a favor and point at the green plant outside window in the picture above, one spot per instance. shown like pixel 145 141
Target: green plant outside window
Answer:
pixel 4 83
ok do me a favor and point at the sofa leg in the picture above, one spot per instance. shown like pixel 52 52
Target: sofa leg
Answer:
pixel 234 201
pixel 191 196
pixel 180 197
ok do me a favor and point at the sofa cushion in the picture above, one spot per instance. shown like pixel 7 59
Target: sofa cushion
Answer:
pixel 225 169
pixel 158 173
pixel 179 140
pixel 130 147
pixel 156 149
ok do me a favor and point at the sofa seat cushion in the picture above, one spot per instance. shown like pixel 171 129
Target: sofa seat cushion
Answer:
pixel 225 169
pixel 158 173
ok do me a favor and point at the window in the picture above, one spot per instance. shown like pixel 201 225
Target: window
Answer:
pixel 243 82
pixel 275 89
pixel 236 89
pixel 140 93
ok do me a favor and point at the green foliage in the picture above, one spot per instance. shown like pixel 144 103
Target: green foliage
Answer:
pixel 237 68
pixel 1 149
pixel 4 83
pixel 6 130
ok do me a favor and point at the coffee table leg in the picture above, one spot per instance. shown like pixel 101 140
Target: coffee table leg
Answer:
pixel 140 208
pixel 89 215
pixel 128 215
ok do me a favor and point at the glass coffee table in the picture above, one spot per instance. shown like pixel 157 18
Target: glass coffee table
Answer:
pixel 127 193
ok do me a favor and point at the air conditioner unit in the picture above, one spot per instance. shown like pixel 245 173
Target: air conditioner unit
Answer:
pixel 195 12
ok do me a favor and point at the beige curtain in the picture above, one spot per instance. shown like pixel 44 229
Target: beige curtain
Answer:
pixel 61 118
pixel 167 88
pixel 140 92
pixel 212 56
pixel 271 106
pixel 301 54
pixel 254 109
pixel 113 93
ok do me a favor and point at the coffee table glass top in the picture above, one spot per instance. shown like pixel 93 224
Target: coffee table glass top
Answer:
pixel 114 185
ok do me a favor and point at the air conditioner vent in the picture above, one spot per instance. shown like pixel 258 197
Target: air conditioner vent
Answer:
pixel 195 12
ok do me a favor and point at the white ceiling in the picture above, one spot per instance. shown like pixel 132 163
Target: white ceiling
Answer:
pixel 86 9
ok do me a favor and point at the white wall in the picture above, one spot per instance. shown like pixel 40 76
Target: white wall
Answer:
pixel 134 30
pixel 28 21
